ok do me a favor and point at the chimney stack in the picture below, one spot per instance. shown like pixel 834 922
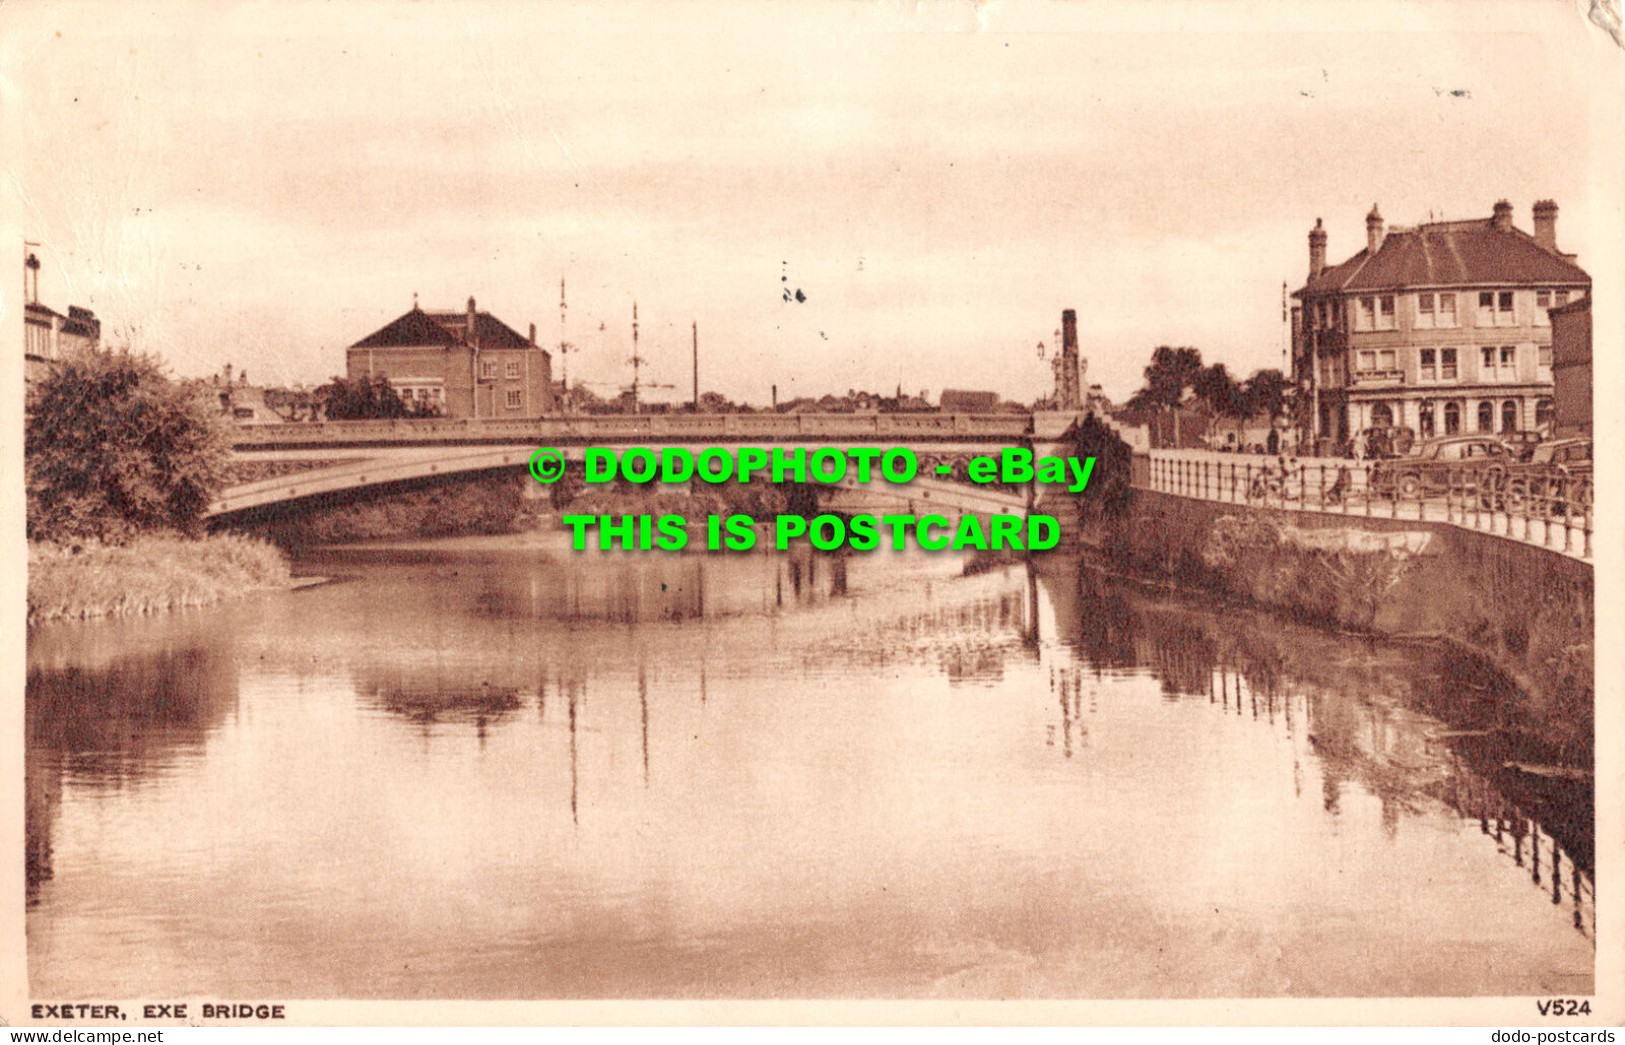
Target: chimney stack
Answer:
pixel 1503 216
pixel 1066 391
pixel 1373 230
pixel 471 317
pixel 533 333
pixel 1546 224
pixel 1317 249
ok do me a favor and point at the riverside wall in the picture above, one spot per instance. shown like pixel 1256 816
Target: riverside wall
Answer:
pixel 1521 610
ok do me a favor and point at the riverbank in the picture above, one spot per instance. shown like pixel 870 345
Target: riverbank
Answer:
pixel 148 575
pixel 1524 612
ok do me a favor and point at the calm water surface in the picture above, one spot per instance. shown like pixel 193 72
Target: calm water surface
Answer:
pixel 478 771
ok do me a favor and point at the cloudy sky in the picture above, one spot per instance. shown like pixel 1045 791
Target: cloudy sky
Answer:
pixel 265 184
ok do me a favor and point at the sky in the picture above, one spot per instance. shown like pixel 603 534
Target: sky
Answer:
pixel 265 184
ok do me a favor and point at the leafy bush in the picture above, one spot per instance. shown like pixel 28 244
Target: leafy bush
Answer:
pixel 114 448
pixel 368 399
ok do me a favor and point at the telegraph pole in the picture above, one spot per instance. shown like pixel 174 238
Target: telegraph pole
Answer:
pixel 564 345
pixel 696 366
pixel 31 268
pixel 635 359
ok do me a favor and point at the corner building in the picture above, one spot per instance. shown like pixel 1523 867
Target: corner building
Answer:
pixel 1441 328
pixel 470 364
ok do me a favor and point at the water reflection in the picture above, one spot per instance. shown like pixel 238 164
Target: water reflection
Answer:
pixel 796 775
pixel 111 727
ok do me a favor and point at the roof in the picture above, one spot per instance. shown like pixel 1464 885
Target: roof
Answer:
pixel 418 327
pixel 1577 305
pixel 970 402
pixel 1449 253
pixel 78 321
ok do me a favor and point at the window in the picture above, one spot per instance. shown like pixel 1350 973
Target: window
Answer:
pixel 1486 416
pixel 1320 314
pixel 1366 317
pixel 1509 362
pixel 439 395
pixel 1562 298
pixel 1486 308
pixel 1425 417
pixel 1428 359
pixel 1387 359
pixel 1486 370
pixel 1503 309
pixel 1447 364
pixel 1366 362
pixel 515 398
pixel 512 372
pixel 1447 310
pixel 1385 312
pixel 1452 418
pixel 488 370
pixel 1543 301
pixel 1545 355
pixel 1382 415
pixel 1424 311
pixel 1509 416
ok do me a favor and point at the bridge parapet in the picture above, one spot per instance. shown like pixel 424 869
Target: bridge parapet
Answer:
pixel 610 428
pixel 1544 510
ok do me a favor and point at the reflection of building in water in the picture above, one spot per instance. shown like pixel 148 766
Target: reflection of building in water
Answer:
pixel 1066 685
pixel 1373 722
pixel 435 694
pixel 107 727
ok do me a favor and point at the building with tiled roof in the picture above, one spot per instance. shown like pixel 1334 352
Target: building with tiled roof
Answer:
pixel 1441 328
pixel 469 363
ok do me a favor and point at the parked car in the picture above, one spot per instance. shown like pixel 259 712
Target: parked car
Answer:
pixel 1523 444
pixel 1435 464
pixel 1556 477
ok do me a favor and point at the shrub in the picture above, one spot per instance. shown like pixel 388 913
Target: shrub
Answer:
pixel 114 448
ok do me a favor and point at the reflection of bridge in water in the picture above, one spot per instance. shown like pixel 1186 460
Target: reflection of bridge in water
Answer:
pixel 1360 728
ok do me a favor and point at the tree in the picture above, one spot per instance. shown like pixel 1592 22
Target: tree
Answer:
pixel 1172 373
pixel 1267 392
pixel 368 399
pixel 113 447
pixel 1220 393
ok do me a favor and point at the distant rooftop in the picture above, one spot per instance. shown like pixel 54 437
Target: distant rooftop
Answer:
pixel 418 327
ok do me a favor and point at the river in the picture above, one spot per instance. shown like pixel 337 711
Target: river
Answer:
pixel 497 769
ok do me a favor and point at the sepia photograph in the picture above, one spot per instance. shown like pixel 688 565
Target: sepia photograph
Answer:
pixel 826 502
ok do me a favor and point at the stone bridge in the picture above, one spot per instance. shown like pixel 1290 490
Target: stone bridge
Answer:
pixel 294 462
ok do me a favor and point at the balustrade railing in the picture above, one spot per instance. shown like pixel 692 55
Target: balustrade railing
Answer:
pixel 607 427
pixel 1548 507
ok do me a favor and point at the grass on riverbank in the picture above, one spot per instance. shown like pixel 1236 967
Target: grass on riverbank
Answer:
pixel 148 575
